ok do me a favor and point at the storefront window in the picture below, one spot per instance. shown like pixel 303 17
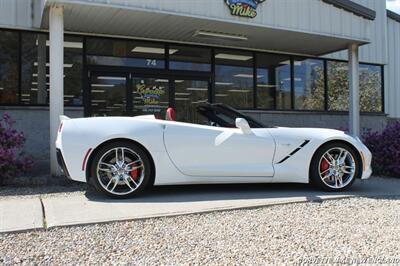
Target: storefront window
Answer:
pixel 283 85
pixel 370 88
pixel 267 65
pixel 189 94
pixel 234 78
pixel 189 58
pixel 35 69
pixel 8 67
pixel 125 53
pixel 73 64
pixel 338 86
pixel 309 84
pixel 35 82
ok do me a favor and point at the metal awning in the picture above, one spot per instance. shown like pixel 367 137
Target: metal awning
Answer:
pixel 163 26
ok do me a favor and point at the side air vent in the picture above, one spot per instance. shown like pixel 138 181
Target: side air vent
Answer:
pixel 294 151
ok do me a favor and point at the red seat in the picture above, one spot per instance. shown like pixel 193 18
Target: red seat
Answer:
pixel 170 114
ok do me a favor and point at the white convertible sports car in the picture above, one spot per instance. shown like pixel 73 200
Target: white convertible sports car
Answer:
pixel 122 156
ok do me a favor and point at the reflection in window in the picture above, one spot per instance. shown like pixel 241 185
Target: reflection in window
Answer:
pixel 234 78
pixel 35 69
pixel 188 95
pixel 370 88
pixel 125 53
pixel 309 84
pixel 150 96
pixel 8 67
pixel 189 58
pixel 108 95
pixel 267 67
pixel 283 85
pixel 338 86
pixel 73 71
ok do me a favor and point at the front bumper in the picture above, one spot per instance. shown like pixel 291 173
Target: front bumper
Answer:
pixel 367 160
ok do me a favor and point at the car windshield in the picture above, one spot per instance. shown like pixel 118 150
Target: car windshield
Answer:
pixel 225 116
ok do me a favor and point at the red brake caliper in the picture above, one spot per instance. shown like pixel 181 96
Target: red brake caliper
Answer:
pixel 324 165
pixel 135 174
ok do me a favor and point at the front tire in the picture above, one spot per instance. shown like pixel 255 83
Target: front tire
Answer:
pixel 335 166
pixel 121 169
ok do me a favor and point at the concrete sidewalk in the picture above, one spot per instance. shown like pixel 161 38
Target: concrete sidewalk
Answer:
pixel 91 208
pixel 20 215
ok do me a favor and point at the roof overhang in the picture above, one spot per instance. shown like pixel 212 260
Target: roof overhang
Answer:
pixel 393 15
pixel 356 9
pixel 104 19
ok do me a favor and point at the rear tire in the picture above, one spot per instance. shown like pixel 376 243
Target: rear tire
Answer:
pixel 335 166
pixel 121 169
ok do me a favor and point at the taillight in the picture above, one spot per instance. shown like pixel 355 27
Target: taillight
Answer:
pixel 60 127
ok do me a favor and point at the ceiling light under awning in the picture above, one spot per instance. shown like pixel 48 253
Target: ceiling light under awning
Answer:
pixel 35 83
pixel 76 45
pixel 111 78
pixel 245 91
pixel 224 83
pixel 235 57
pixel 152 50
pixel 265 86
pixel 102 85
pixel 166 80
pixel 196 89
pixel 247 76
pixel 236 37
pixel 36 75
pixel 48 64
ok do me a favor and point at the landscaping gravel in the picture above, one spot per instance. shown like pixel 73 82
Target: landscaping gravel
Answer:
pixel 357 230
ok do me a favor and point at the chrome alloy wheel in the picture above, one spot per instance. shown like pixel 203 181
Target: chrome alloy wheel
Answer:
pixel 337 168
pixel 120 171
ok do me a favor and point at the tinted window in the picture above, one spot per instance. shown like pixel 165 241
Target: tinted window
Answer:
pixel 309 84
pixel 8 67
pixel 268 65
pixel 234 78
pixel 35 82
pixel 125 53
pixel 283 85
pixel 338 86
pixel 35 68
pixel 73 64
pixel 189 58
pixel 370 88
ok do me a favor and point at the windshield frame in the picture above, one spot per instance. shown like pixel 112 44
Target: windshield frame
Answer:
pixel 212 113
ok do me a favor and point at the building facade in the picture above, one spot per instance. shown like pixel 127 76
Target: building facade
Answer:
pixel 306 63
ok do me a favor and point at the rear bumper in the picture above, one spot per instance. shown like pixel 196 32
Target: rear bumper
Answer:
pixel 61 163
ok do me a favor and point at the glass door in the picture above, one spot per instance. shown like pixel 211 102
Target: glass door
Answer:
pixel 150 96
pixel 188 94
pixel 114 93
pixel 109 94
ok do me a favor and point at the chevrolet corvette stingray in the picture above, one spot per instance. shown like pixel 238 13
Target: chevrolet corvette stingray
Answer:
pixel 122 156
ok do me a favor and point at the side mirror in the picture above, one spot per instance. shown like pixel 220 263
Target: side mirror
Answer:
pixel 243 125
